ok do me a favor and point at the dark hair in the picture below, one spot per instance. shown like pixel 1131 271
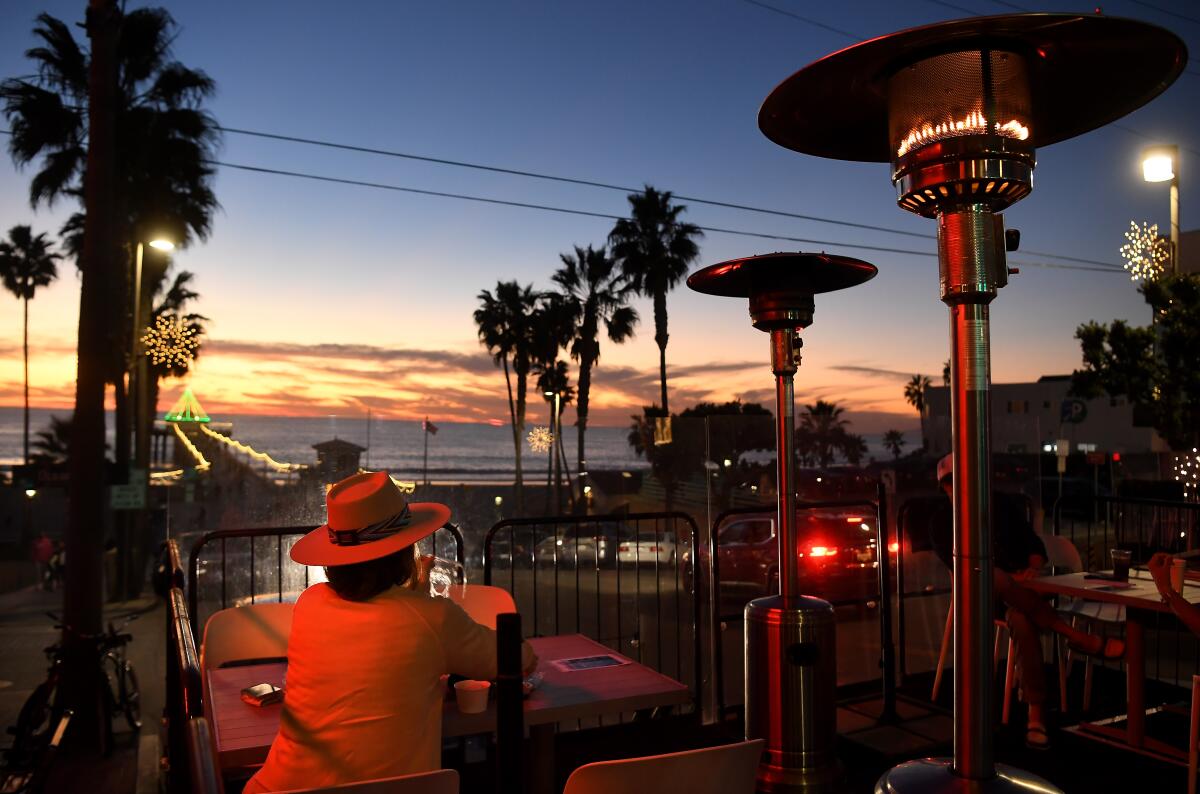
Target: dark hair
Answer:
pixel 363 581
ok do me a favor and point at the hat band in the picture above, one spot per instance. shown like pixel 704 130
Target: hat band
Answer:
pixel 377 531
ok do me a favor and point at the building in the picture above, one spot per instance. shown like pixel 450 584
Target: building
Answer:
pixel 1031 417
pixel 337 459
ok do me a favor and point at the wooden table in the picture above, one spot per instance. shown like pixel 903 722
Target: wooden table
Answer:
pixel 243 733
pixel 1140 599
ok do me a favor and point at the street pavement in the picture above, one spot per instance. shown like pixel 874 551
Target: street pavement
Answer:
pixel 25 630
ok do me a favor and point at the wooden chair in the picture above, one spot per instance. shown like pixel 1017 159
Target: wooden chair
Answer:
pixel 728 769
pixel 254 633
pixel 440 781
pixel 1001 628
pixel 483 602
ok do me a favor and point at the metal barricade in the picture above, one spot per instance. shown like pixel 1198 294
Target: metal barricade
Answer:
pixel 627 581
pixel 257 558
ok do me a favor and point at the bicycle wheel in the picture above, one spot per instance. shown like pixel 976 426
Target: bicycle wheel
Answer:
pixel 123 691
pixel 36 720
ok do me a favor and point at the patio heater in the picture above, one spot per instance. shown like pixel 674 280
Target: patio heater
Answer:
pixel 958 108
pixel 791 662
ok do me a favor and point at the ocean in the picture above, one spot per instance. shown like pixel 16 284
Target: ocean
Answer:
pixel 458 452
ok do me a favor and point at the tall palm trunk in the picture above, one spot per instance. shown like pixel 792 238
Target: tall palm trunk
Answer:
pixel 660 338
pixel 581 416
pixel 83 597
pixel 519 433
pixel 26 343
pixel 512 414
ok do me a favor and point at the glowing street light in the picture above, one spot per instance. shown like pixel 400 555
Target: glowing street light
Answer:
pixel 1161 164
pixel 162 245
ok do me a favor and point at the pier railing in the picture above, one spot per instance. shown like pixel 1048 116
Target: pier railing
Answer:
pixel 628 581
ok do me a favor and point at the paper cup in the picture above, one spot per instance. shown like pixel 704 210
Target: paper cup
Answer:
pixel 1178 571
pixel 471 696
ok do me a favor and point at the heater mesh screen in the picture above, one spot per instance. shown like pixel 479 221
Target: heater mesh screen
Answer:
pixel 959 94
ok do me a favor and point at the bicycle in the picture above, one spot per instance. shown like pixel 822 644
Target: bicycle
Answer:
pixel 42 712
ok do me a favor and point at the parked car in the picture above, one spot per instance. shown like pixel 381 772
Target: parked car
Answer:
pixel 836 550
pixel 647 547
pixel 590 547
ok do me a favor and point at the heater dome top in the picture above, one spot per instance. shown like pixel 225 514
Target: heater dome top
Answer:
pixel 1084 72
pixel 782 272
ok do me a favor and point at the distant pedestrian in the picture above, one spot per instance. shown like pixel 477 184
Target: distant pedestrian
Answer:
pixel 41 552
pixel 58 564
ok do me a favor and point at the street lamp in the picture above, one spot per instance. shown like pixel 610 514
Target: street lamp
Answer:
pixel 1161 164
pixel 138 361
pixel 552 463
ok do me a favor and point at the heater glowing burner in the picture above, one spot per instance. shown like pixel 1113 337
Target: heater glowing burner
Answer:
pixel 973 124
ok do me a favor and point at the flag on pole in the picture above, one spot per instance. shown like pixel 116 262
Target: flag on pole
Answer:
pixel 429 427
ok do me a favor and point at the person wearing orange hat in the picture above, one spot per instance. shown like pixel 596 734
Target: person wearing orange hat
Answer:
pixel 368 648
pixel 1019 555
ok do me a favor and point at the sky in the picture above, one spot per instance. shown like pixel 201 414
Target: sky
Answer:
pixel 328 299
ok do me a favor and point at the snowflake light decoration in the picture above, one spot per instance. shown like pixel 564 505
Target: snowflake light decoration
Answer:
pixel 171 342
pixel 1146 253
pixel 540 439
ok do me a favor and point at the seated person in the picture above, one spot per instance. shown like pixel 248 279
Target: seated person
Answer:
pixel 1160 571
pixel 1017 556
pixel 367 649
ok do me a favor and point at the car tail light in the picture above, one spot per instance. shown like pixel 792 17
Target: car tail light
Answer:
pixel 655 548
pixel 623 547
pixel 894 547
pixel 822 551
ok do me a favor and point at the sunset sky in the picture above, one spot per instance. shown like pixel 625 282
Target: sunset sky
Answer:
pixel 328 298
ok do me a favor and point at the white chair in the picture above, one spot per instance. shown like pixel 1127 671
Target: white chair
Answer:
pixel 257 632
pixel 999 626
pixel 728 769
pixel 441 781
pixel 1064 556
pixel 483 602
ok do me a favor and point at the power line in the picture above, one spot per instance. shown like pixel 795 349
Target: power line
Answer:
pixel 607 186
pixel 610 216
pixel 813 22
pixel 1168 12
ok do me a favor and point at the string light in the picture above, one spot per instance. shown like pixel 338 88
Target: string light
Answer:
pixel 251 452
pixel 1146 253
pixel 540 439
pixel 1187 471
pixel 202 463
pixel 171 342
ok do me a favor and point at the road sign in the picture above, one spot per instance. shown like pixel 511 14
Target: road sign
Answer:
pixel 1096 458
pixel 1073 411
pixel 128 497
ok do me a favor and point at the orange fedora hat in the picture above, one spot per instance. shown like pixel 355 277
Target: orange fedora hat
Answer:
pixel 368 518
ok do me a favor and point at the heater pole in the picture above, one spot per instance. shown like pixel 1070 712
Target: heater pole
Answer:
pixel 967 255
pixel 783 363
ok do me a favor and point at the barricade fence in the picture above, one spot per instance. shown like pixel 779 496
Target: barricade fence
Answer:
pixel 1142 526
pixel 627 581
pixel 234 567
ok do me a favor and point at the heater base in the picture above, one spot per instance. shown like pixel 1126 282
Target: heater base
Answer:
pixel 780 780
pixel 936 776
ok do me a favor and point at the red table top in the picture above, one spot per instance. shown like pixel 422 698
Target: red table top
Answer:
pixel 243 733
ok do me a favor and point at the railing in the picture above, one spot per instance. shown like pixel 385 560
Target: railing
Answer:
pixel 263 568
pixel 1142 526
pixel 588 574
pixel 205 777
pixel 183 686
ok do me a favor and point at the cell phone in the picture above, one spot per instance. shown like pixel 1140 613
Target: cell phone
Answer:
pixel 262 694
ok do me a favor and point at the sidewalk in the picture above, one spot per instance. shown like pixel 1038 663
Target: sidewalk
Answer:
pixel 25 630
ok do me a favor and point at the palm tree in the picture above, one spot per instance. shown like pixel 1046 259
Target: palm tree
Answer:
pixel 53 442
pixel 914 392
pixel 597 294
pixel 655 250
pixel 26 263
pixel 824 430
pixel 554 379
pixel 163 142
pixel 505 330
pixel 893 440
